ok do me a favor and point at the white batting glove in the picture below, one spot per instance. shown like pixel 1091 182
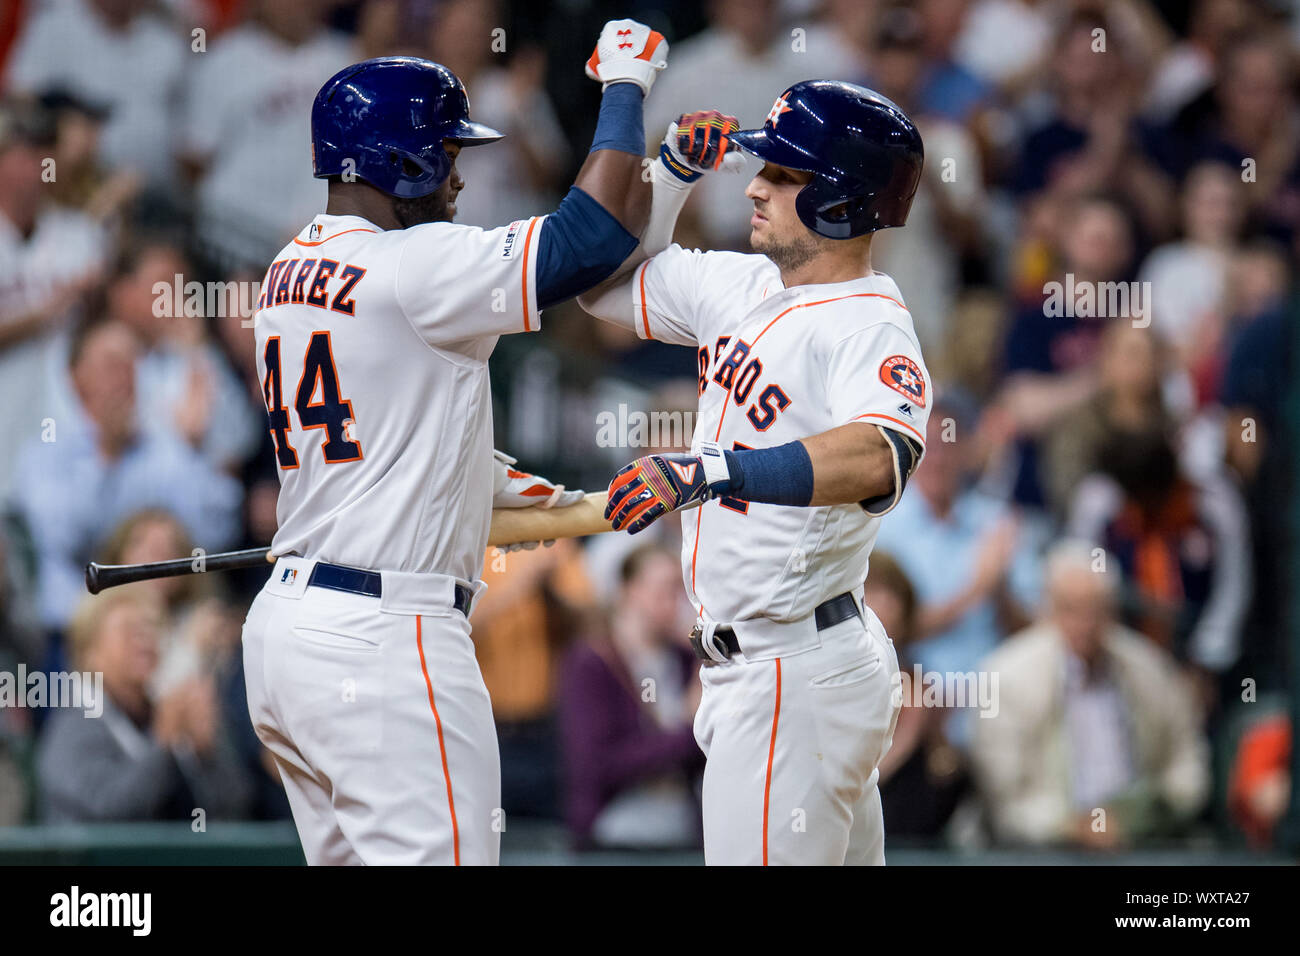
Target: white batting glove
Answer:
pixel 512 488
pixel 628 51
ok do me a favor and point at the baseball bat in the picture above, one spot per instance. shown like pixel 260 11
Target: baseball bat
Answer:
pixel 509 526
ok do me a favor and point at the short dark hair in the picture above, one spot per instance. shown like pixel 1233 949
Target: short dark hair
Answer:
pixel 26 121
pixel 134 247
pixel 95 317
pixel 635 562
pixel 886 573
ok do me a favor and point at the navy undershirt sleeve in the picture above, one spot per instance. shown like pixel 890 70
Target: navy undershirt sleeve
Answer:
pixel 581 244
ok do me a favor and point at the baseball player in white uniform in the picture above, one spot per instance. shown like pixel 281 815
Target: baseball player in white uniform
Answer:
pixel 373 334
pixel 812 414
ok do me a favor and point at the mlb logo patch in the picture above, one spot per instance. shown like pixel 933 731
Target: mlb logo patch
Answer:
pixel 289 576
pixel 314 232
pixel 508 247
pixel 904 376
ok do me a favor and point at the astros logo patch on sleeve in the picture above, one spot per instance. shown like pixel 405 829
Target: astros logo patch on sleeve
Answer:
pixel 904 376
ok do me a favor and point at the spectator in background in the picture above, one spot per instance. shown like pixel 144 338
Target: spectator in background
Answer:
pixel 526 178
pixel 948 89
pixel 1004 41
pixel 246 133
pixel 926 257
pixel 943 522
pixel 199 642
pixel 1259 375
pixel 1128 399
pixel 922 776
pixel 181 373
pixel 183 602
pixel 1189 67
pixel 1087 138
pixel 20 643
pixel 1091 717
pixel 530 610
pixel 675 405
pixel 1189 277
pixel 627 703
pixel 21 640
pixel 50 258
pixel 851 26
pixel 83 182
pixel 1183 545
pixel 1259 788
pixel 140 759
pixel 101 467
pixel 739 65
pixel 1050 359
pixel 121 54
pixel 1248 121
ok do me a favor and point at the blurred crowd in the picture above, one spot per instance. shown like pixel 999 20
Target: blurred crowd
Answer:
pixel 1099 264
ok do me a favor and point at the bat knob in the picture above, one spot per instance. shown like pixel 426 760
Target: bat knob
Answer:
pixel 92 578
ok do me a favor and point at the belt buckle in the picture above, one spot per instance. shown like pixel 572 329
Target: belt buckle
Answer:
pixel 706 645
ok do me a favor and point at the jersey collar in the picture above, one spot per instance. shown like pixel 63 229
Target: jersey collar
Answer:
pixel 325 227
pixel 829 290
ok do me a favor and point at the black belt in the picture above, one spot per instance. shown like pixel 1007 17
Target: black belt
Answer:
pixel 827 614
pixel 336 577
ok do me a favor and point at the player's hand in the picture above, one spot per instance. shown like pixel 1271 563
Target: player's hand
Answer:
pixel 699 143
pixel 654 485
pixel 628 51
pixel 512 488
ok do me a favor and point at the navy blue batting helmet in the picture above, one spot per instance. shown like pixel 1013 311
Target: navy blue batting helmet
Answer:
pixel 864 153
pixel 389 116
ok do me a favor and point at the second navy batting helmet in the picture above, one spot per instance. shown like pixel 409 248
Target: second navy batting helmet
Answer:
pixel 389 117
pixel 864 153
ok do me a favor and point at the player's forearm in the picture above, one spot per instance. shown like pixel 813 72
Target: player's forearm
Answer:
pixel 612 174
pixel 594 230
pixel 670 187
pixel 612 301
pixel 851 463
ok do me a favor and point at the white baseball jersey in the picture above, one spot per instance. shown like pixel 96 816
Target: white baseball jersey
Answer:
pixel 372 351
pixel 776 365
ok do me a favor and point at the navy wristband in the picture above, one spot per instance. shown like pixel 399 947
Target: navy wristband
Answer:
pixel 620 125
pixel 777 476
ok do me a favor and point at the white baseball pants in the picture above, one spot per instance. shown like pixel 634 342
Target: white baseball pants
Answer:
pixel 793 744
pixel 379 723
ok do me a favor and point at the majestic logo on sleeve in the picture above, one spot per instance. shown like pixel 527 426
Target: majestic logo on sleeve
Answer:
pixel 904 376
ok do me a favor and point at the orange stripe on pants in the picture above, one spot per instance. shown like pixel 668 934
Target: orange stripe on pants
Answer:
pixel 771 753
pixel 442 747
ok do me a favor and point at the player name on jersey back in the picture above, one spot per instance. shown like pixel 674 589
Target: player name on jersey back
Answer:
pixel 372 350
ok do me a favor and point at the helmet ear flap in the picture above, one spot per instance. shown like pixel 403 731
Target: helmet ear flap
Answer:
pixel 418 175
pixel 827 212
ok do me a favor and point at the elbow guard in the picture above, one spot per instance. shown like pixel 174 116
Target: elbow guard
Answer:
pixel 906 455
pixel 580 246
